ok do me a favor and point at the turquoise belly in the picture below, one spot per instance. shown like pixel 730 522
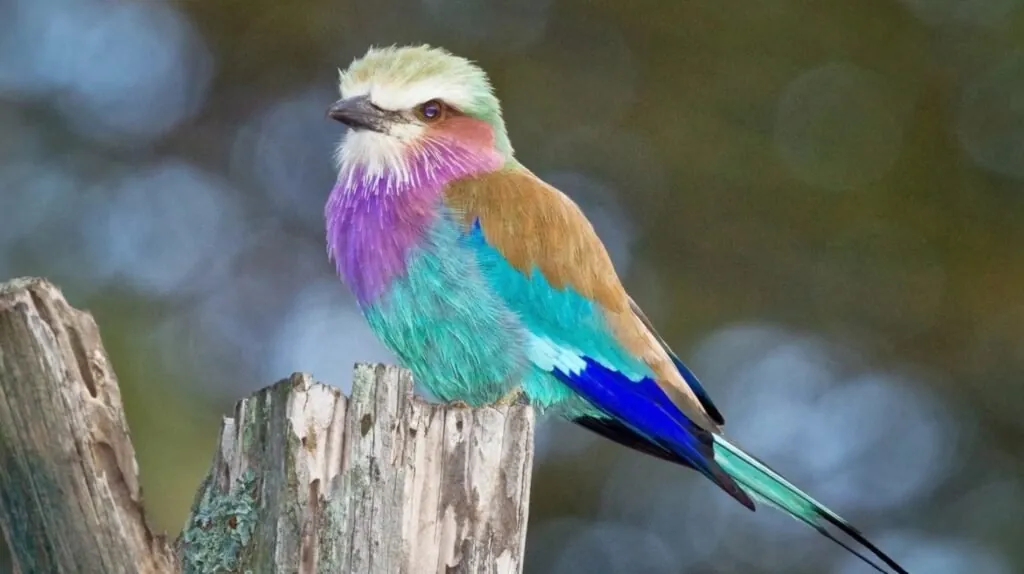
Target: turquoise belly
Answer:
pixel 456 336
pixel 450 326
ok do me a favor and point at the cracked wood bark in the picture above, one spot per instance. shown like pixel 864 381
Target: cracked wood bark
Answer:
pixel 306 480
pixel 70 500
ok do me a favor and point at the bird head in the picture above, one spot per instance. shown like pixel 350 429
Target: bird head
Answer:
pixel 404 103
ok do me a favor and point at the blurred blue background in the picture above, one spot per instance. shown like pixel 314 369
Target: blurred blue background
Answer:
pixel 818 203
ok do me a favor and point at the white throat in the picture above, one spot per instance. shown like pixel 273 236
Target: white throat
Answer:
pixel 375 153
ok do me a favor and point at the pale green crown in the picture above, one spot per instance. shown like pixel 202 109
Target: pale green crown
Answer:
pixel 401 78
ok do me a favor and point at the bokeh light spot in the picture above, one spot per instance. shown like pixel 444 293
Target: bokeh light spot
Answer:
pixel 991 118
pixel 836 128
pixel 165 230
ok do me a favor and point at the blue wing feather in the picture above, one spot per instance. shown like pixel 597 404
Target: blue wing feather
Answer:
pixel 697 389
pixel 644 408
pixel 573 345
pixel 684 371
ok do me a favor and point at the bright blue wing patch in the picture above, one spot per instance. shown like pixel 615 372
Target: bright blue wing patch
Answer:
pixel 572 344
pixel 698 389
pixel 684 372
pixel 561 315
pixel 643 407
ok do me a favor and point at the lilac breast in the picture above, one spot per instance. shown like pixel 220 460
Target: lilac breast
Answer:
pixel 375 220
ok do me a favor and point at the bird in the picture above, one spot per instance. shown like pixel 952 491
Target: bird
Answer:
pixel 493 288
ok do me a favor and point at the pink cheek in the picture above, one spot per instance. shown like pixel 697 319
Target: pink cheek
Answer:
pixel 468 130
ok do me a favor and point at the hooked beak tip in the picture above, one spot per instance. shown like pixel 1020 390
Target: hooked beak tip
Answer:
pixel 336 112
pixel 357 113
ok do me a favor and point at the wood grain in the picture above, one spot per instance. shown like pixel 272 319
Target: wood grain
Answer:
pixel 308 481
pixel 69 490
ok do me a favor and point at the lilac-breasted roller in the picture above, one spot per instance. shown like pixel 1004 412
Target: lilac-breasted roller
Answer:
pixel 491 286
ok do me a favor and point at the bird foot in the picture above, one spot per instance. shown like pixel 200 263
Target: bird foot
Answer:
pixel 514 397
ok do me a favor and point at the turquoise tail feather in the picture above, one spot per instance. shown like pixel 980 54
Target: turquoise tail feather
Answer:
pixel 765 485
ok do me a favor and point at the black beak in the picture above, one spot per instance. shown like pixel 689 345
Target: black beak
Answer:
pixel 358 113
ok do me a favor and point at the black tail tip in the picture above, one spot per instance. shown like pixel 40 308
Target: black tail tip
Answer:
pixel 856 535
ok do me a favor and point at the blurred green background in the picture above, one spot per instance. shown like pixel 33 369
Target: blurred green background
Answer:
pixel 818 203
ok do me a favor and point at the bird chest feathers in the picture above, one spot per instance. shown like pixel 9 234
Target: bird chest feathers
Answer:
pixel 372 230
pixel 420 288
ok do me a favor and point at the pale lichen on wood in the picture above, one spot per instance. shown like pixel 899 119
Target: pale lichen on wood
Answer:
pixel 69 490
pixel 379 483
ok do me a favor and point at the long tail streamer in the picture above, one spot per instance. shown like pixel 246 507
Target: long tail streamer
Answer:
pixel 768 486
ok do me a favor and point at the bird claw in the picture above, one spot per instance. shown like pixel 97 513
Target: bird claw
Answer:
pixel 512 398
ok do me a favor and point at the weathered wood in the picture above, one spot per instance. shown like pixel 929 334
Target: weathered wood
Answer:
pixel 308 481
pixel 69 491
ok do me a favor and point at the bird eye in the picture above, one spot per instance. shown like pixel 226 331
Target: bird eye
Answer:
pixel 431 111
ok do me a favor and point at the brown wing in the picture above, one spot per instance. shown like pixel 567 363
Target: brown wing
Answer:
pixel 533 225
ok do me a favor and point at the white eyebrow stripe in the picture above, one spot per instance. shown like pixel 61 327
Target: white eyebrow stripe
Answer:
pixel 408 96
pixel 354 90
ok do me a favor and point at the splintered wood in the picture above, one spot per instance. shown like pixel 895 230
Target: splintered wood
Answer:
pixel 308 481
